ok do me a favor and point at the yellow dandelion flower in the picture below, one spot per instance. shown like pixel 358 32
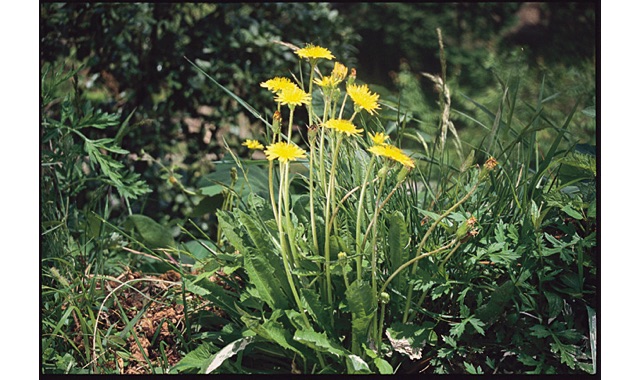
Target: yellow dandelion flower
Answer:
pixel 277 84
pixel 363 98
pixel 339 72
pixel 379 138
pixel 284 152
pixel 393 153
pixel 293 96
pixel 343 126
pixel 314 52
pixel 326 82
pixel 253 144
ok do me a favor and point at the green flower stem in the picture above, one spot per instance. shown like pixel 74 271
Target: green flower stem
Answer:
pixel 312 212
pixel 374 251
pixel 424 293
pixel 359 221
pixel 291 109
pixel 276 212
pixel 424 240
pixel 323 178
pixel 327 227
pixel 290 230
pixel 400 269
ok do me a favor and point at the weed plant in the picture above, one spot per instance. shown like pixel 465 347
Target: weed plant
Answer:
pixel 361 257
pixel 354 244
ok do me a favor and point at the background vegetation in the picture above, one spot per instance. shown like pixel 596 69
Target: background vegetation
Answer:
pixel 133 137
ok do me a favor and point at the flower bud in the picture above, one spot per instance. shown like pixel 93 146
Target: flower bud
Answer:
pixel 342 258
pixel 402 174
pixel 277 122
pixel 382 173
pixel 384 298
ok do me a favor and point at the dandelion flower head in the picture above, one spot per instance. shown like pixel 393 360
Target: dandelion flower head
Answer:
pixel 393 153
pixel 253 144
pixel 293 96
pixel 379 138
pixel 343 126
pixel 339 72
pixel 314 52
pixel 284 152
pixel 277 84
pixel 363 98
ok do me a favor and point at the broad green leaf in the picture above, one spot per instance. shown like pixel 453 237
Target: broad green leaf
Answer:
pixel 383 366
pixel 197 250
pixel 409 339
pixel 258 236
pixel 262 274
pixel 194 360
pixel 227 352
pixel 154 235
pixel 357 366
pixel 398 252
pixel 362 305
pixel 274 331
pixel 500 298
pixel 220 297
pixel 567 209
pixel 311 302
pixel 554 302
pixel 228 227
pixel 319 342
pixel 540 331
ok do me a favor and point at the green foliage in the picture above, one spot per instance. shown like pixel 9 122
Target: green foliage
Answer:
pixel 343 262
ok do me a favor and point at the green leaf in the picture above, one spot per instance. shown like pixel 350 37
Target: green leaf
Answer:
pixel 274 331
pixel 319 312
pixel 540 331
pixel 263 275
pixel 398 240
pixel 567 209
pixel 194 360
pixel 228 227
pixel 154 235
pixel 500 298
pixel 361 303
pixel 477 325
pixel 555 303
pixel 227 352
pixel 319 342
pixel 258 236
pixel 409 339
pixel 383 366
pixel 357 366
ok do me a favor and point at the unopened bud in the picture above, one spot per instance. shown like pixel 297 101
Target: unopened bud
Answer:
pixel 384 298
pixel 383 171
pixel 402 174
